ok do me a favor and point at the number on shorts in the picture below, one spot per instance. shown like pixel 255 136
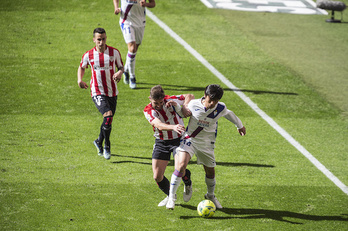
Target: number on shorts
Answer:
pixel 185 142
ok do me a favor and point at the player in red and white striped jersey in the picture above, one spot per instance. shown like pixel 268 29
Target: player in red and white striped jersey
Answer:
pixel 162 113
pixel 107 69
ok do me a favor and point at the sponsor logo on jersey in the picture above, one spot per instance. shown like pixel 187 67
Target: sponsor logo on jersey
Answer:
pixel 203 123
pixel 99 68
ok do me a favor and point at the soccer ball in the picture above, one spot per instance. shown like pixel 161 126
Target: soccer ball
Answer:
pixel 206 208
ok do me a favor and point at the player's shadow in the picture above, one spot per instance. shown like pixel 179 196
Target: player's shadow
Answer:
pixel 171 162
pixel 132 161
pixel 201 89
pixel 230 164
pixel 277 215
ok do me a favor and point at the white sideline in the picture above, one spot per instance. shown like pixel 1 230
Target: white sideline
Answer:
pixel 248 101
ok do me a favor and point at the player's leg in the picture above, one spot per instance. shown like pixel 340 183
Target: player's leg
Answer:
pixel 129 38
pixel 158 169
pixel 211 182
pixel 133 46
pixel 181 162
pixel 107 107
pixel 188 184
pixel 106 130
pixel 187 176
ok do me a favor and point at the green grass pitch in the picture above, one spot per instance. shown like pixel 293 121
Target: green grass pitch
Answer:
pixel 294 67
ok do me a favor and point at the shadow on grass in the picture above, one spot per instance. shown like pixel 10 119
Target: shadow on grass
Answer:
pixel 171 162
pixel 239 213
pixel 201 89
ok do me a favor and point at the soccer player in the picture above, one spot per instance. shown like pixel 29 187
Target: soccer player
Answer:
pixel 132 23
pixel 200 139
pixel 168 128
pixel 107 69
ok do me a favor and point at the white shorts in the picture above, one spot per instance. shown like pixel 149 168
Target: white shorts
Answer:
pixel 132 34
pixel 204 152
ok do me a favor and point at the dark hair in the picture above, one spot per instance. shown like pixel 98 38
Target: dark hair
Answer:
pixel 99 31
pixel 214 91
pixel 157 92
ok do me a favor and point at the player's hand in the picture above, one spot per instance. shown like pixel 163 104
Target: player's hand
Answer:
pixel 117 76
pixel 242 131
pixel 179 129
pixel 171 103
pixel 185 111
pixel 83 85
pixel 117 11
pixel 143 3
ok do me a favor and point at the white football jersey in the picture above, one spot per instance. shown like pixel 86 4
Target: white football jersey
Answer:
pixel 132 13
pixel 202 126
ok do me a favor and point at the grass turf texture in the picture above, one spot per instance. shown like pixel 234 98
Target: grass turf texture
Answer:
pixel 51 177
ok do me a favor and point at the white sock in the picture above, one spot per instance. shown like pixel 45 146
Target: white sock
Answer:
pixel 130 64
pixel 210 185
pixel 174 184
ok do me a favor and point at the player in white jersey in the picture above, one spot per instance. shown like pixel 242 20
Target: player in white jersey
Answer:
pixel 103 60
pixel 132 23
pixel 200 139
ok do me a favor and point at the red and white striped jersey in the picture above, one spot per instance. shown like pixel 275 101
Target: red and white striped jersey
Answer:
pixel 167 115
pixel 103 66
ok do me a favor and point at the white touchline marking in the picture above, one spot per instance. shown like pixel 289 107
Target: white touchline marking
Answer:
pixel 248 101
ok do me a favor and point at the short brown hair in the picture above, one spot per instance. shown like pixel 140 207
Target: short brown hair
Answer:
pixel 157 92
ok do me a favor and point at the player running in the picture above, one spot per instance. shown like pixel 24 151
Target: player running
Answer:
pixel 168 128
pixel 103 60
pixel 200 139
pixel 132 23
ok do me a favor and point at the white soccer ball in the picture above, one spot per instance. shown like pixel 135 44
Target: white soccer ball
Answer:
pixel 206 208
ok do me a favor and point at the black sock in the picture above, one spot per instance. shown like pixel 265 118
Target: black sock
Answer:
pixel 187 178
pixel 101 135
pixel 106 129
pixel 164 185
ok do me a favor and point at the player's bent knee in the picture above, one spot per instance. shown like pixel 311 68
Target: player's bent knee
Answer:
pixel 108 113
pixel 107 122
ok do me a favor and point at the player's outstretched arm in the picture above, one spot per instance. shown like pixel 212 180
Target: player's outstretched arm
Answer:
pixel 234 119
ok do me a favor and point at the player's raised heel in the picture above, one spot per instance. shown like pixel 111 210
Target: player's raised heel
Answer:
pixel 126 77
pixel 187 193
pixel 132 83
pixel 107 153
pixel 99 147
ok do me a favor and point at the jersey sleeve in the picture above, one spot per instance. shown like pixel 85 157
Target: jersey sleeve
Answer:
pixel 229 115
pixel 149 114
pixel 118 59
pixel 84 61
